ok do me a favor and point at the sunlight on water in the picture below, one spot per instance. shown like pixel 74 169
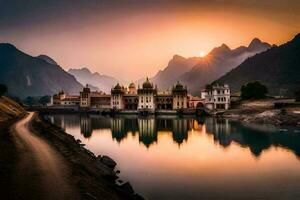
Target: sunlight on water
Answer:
pixel 188 158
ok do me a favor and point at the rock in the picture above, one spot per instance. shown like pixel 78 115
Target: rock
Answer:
pixel 127 188
pixel 78 141
pixel 107 161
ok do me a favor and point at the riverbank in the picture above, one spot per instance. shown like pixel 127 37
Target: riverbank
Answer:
pixel 264 112
pixel 95 179
pixel 21 173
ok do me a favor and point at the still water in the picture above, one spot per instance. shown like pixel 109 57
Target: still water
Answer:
pixel 190 158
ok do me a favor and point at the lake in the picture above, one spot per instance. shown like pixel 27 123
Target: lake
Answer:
pixel 167 157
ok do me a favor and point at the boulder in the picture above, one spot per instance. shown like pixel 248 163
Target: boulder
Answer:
pixel 107 161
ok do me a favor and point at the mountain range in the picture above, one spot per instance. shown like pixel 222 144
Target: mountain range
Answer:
pixel 196 72
pixel 85 76
pixel 26 75
pixel 278 68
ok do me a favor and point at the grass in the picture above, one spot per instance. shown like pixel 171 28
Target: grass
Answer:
pixel 9 109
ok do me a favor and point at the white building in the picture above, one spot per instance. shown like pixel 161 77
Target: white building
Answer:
pixel 217 97
pixel 146 96
pixel 117 93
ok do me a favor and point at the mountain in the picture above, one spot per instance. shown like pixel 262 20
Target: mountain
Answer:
pixel 85 76
pixel 47 59
pixel 278 68
pixel 176 67
pixel 196 72
pixel 25 75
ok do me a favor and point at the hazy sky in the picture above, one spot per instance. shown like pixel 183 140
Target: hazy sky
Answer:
pixel 131 39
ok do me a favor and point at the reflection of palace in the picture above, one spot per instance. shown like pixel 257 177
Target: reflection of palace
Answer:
pixel 146 128
pixel 223 131
pixel 147 131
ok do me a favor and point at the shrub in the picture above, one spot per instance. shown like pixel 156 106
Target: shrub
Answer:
pixel 254 90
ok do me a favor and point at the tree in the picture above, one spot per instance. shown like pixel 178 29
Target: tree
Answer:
pixel 254 90
pixel 44 100
pixel 3 89
pixel 30 101
pixel 208 87
pixel 297 95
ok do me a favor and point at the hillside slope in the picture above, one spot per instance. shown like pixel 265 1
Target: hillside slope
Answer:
pixel 9 109
pixel 25 75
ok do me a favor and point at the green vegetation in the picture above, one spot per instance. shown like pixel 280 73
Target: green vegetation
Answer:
pixel 208 87
pixel 36 101
pixel 3 89
pixel 253 90
pixel 44 100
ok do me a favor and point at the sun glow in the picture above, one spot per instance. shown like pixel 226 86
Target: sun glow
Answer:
pixel 202 54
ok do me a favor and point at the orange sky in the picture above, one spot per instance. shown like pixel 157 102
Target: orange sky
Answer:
pixel 133 41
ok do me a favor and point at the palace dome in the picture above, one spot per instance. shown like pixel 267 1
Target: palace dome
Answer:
pixel 147 84
pixel 179 86
pixel 131 85
pixel 117 87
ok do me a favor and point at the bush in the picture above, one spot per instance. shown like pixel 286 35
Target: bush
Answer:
pixel 3 89
pixel 44 100
pixel 254 90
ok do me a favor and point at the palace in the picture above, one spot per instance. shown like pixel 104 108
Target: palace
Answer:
pixel 146 98
pixel 217 97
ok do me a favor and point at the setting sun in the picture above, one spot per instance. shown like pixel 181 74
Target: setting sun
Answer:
pixel 202 54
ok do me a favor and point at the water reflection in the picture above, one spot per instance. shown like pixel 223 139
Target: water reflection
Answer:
pixel 224 132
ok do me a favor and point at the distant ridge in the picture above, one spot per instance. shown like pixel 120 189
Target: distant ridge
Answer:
pixel 278 68
pixel 196 72
pixel 85 76
pixel 25 75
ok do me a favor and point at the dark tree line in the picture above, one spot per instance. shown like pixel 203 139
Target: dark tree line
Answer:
pixel 3 89
pixel 254 90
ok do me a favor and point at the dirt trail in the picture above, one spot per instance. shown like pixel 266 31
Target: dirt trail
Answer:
pixel 41 173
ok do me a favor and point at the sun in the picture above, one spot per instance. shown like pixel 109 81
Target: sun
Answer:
pixel 202 54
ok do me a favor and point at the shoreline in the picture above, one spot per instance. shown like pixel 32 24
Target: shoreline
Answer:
pixel 94 178
pixel 264 112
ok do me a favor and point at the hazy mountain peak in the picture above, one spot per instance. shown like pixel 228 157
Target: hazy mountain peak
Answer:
pixel 47 59
pixel 85 76
pixel 224 46
pixel 178 57
pixel 86 70
pixel 256 44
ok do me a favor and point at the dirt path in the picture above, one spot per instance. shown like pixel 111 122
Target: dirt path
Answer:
pixel 41 172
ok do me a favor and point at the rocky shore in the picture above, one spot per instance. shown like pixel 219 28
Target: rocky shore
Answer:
pixel 264 112
pixel 95 176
